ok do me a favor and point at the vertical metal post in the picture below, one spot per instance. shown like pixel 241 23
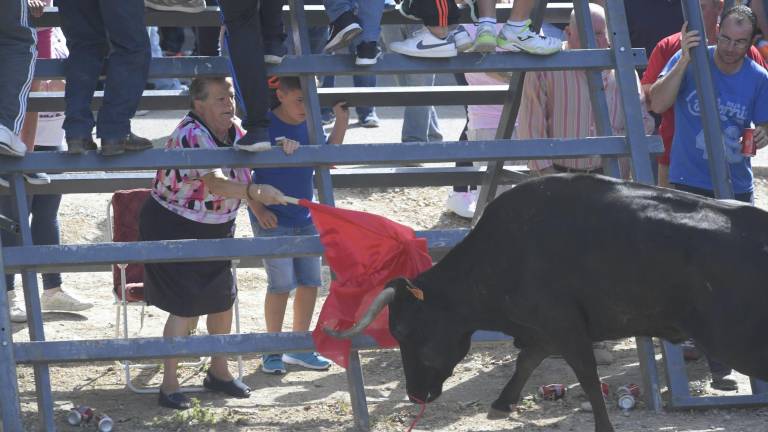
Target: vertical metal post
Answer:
pixel 357 392
pixel 10 409
pixel 626 79
pixel 506 123
pixel 300 35
pixel 710 113
pixel 34 313
pixel 595 82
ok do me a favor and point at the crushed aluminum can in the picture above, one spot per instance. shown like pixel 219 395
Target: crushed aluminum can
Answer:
pixel 80 415
pixel 626 396
pixel 605 389
pixel 552 391
pixel 105 423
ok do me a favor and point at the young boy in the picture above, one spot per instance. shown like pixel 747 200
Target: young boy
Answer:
pixel 288 127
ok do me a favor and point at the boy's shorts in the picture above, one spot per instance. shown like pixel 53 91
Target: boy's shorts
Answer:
pixel 285 274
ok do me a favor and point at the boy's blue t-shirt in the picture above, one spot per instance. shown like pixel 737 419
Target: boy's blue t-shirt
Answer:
pixel 292 181
pixel 742 99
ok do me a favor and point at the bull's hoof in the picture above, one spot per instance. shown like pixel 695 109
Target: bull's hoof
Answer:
pixel 499 410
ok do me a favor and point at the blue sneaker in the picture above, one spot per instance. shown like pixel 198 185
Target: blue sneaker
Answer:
pixel 272 364
pixel 309 360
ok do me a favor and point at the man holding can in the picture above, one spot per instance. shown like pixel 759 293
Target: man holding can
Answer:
pixel 740 86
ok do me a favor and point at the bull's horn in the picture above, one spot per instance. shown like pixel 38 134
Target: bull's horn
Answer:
pixel 384 298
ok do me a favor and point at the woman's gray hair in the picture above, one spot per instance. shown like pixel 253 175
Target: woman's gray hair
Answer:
pixel 198 90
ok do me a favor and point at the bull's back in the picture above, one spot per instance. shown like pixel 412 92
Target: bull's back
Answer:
pixel 626 258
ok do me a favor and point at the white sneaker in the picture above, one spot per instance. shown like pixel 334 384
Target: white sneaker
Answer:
pixel 424 44
pixel 485 40
pixel 63 302
pixel 10 143
pixel 461 38
pixel 462 203
pixel 513 38
pixel 16 308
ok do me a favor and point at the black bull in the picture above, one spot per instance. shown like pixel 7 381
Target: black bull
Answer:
pixel 561 261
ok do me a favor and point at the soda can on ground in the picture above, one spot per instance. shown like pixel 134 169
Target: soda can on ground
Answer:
pixel 80 415
pixel 605 389
pixel 626 396
pixel 552 391
pixel 105 423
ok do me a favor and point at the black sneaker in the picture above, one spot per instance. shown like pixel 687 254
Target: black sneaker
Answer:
pixel 255 140
pixel 274 50
pixel 367 53
pixel 343 30
pixel 37 178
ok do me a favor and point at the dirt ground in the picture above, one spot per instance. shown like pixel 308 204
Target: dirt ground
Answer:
pixel 311 401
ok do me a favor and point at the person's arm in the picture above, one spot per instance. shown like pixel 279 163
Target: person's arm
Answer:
pixel 665 90
pixel 758 7
pixel 656 62
pixel 761 136
pixel 218 184
pixel 341 111
pixel 266 218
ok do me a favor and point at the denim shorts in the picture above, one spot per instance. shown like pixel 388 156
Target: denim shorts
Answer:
pixel 285 274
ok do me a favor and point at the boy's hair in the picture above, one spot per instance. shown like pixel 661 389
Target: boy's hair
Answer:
pixel 741 13
pixel 198 90
pixel 289 83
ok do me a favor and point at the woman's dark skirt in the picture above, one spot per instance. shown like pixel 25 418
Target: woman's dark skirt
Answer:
pixel 186 289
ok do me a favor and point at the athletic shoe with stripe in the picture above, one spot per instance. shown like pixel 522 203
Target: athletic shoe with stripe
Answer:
pixel 516 39
pixel 424 44
pixel 345 28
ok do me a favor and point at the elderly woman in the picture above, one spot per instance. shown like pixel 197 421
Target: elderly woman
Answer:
pixel 199 204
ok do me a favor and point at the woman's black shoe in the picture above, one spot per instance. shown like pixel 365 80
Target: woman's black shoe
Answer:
pixel 234 388
pixel 178 400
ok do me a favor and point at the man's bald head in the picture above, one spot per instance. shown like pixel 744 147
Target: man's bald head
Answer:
pixel 598 25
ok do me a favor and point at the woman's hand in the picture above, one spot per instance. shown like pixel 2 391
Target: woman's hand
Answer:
pixel 266 218
pixel 36 7
pixel 266 194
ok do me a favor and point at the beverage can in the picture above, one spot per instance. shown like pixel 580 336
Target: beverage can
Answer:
pixel 80 415
pixel 626 396
pixel 105 423
pixel 748 147
pixel 605 389
pixel 552 391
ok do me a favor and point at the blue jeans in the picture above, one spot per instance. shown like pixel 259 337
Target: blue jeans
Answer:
pixel 286 274
pixel 420 123
pixel 318 36
pixel 18 53
pixel 154 43
pixel 44 223
pixel 99 30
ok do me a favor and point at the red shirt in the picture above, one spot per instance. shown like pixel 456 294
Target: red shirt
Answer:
pixel 664 51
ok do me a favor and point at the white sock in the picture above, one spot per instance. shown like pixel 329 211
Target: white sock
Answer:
pixel 488 20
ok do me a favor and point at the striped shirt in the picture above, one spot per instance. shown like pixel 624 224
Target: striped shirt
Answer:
pixel 183 191
pixel 556 104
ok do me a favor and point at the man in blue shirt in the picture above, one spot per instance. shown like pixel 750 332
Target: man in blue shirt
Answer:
pixel 741 87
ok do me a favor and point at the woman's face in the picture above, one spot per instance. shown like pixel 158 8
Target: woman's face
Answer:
pixel 218 109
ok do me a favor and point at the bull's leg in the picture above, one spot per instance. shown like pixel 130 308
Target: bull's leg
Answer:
pixel 582 360
pixel 528 360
